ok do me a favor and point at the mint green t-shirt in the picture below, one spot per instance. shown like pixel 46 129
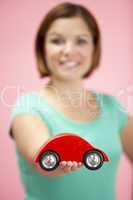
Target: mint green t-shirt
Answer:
pixel 103 132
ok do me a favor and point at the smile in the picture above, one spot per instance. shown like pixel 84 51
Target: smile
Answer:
pixel 69 64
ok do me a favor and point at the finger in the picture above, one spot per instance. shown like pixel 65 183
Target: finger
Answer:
pixel 63 164
pixel 80 164
pixel 68 166
pixel 75 166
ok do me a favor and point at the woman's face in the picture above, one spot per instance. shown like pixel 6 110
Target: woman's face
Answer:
pixel 69 48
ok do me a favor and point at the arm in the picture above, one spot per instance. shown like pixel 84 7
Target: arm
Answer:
pixel 127 141
pixel 127 138
pixel 30 133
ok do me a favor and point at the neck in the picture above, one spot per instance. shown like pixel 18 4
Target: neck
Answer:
pixel 68 91
pixel 62 87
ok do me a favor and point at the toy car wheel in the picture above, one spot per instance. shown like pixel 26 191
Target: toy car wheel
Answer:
pixel 49 160
pixel 93 159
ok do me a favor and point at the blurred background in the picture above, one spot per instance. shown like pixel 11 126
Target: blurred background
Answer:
pixel 19 21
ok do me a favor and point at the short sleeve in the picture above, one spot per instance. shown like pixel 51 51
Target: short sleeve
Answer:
pixel 25 104
pixel 120 112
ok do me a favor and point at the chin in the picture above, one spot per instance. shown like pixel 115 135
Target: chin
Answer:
pixel 70 78
pixel 69 75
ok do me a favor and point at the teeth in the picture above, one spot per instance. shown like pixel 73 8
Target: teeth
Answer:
pixel 70 64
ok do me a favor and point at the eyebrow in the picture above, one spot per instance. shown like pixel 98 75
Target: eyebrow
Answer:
pixel 78 35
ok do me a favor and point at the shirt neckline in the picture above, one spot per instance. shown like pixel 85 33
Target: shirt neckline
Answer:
pixel 67 119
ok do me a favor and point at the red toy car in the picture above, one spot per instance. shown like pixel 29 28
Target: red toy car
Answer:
pixel 69 147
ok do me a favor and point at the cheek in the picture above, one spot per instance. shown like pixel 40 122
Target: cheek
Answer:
pixel 85 56
pixel 52 49
pixel 86 51
pixel 54 57
pixel 50 55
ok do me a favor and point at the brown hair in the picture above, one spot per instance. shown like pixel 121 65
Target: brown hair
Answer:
pixel 66 10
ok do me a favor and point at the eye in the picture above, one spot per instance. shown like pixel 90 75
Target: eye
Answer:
pixel 56 41
pixel 82 41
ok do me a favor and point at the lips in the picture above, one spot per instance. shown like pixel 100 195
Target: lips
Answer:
pixel 69 64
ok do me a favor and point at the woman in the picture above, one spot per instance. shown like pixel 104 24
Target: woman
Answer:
pixel 68 50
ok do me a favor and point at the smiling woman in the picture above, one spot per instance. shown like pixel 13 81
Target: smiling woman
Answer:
pixel 68 49
pixel 82 35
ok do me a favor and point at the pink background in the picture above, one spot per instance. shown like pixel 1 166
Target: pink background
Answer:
pixel 19 22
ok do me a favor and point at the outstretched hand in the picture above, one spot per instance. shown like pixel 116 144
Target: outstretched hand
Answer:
pixel 68 166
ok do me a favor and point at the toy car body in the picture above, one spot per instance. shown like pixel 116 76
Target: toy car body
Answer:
pixel 69 147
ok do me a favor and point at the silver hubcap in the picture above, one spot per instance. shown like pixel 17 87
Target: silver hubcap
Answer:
pixel 93 160
pixel 49 161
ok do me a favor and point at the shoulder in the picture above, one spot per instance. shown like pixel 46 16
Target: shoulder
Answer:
pixel 127 138
pixel 25 103
pixel 111 100
pixel 26 99
pixel 106 98
pixel 113 104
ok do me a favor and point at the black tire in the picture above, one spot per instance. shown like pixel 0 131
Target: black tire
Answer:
pixel 100 157
pixel 55 156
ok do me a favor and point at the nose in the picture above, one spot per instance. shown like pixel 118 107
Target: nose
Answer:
pixel 68 48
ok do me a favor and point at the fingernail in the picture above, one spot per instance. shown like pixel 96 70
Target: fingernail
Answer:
pixel 63 163
pixel 75 164
pixel 69 163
